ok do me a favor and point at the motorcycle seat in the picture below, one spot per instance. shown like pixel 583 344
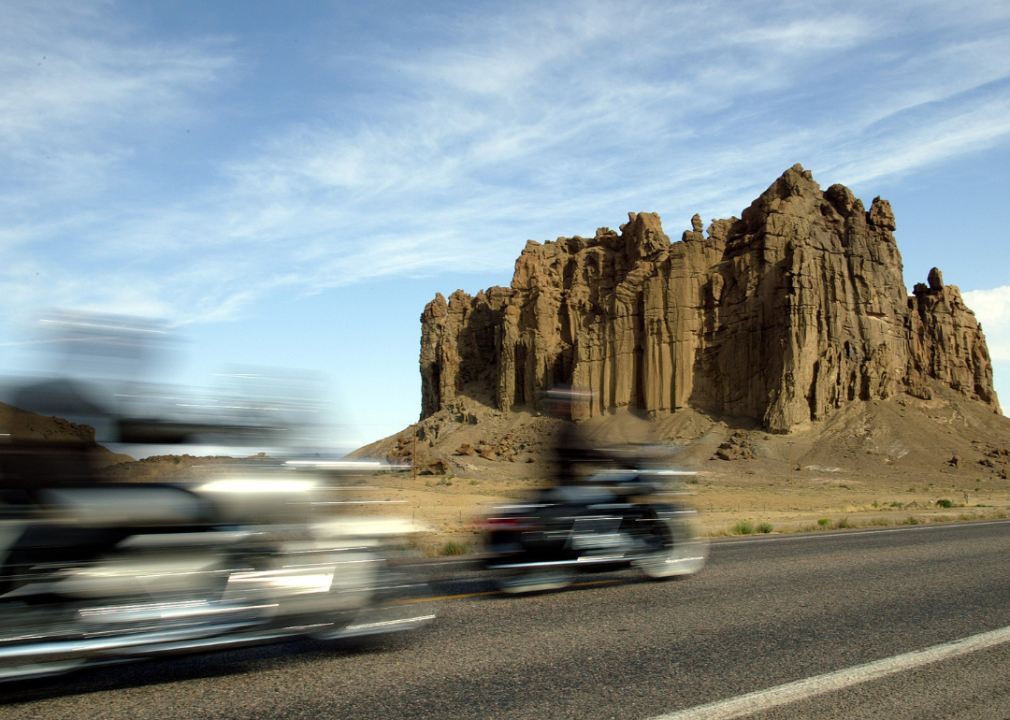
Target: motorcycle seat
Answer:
pixel 578 495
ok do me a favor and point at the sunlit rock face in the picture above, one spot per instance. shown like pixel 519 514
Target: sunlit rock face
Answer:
pixel 781 316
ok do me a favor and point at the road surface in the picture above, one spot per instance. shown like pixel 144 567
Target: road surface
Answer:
pixel 821 625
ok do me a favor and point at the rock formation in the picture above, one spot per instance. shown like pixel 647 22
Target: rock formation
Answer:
pixel 782 316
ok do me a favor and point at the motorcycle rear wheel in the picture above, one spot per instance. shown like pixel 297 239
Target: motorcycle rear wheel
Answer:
pixel 401 600
pixel 528 580
pixel 680 549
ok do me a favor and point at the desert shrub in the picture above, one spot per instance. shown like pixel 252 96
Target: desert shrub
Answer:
pixel 824 522
pixel 743 527
pixel 910 520
pixel 844 523
pixel 765 528
pixel 944 503
pixel 454 548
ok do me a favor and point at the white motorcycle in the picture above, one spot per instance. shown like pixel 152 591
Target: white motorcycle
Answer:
pixel 106 573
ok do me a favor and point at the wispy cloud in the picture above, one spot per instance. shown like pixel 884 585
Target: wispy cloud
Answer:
pixel 77 93
pixel 992 308
pixel 522 121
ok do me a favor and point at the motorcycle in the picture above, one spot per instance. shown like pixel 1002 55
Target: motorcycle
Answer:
pixel 103 573
pixel 93 571
pixel 616 518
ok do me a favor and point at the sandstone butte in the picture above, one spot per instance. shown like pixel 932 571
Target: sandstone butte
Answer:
pixel 781 317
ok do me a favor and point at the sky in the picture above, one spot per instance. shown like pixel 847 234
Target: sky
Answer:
pixel 287 184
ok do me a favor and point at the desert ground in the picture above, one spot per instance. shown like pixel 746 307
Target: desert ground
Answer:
pixel 739 496
pixel 750 497
pixel 903 460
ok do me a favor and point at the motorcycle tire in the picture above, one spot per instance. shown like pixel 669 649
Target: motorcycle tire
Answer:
pixel 23 629
pixel 680 550
pixel 523 580
pixel 402 600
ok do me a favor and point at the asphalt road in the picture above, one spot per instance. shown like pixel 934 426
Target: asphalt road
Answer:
pixel 767 611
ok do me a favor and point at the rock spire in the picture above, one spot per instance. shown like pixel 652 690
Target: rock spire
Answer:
pixel 782 316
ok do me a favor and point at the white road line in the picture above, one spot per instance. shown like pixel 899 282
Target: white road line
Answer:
pixel 839 680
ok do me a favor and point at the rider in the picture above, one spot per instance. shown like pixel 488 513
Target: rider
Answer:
pixel 573 449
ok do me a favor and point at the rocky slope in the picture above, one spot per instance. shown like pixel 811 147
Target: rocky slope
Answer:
pixel 23 428
pixel 781 317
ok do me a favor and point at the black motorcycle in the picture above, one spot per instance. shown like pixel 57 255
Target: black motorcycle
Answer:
pixel 615 518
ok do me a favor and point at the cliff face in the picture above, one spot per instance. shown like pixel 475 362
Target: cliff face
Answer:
pixel 781 316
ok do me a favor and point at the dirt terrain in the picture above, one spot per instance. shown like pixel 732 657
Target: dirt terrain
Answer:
pixel 881 461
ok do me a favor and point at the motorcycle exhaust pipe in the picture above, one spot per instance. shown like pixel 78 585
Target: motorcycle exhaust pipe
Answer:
pixel 201 644
pixel 89 646
pixel 148 612
pixel 588 560
pixel 383 626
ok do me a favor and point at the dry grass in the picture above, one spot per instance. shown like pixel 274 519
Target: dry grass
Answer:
pixel 978 513
pixel 740 504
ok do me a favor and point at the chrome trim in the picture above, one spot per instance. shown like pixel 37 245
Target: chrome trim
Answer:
pixel 585 560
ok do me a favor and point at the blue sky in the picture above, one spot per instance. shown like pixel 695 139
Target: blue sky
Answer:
pixel 289 183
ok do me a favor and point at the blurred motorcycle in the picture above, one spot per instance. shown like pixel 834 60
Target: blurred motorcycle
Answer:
pixel 615 518
pixel 93 571
pixel 96 573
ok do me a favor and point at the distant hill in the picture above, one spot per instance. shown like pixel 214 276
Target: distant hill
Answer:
pixel 173 468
